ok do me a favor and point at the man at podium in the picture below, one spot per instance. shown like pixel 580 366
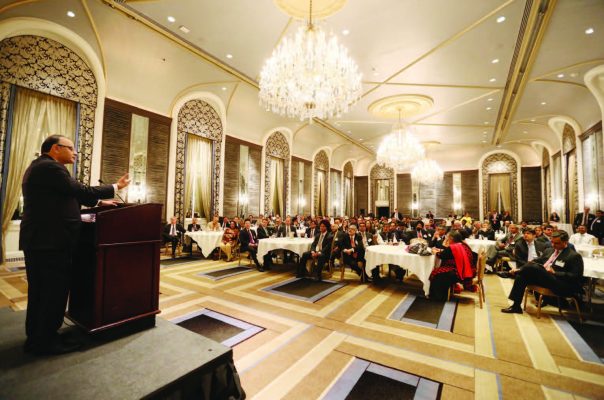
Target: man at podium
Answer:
pixel 49 233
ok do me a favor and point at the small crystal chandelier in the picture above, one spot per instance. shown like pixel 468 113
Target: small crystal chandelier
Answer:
pixel 400 149
pixel 427 171
pixel 309 76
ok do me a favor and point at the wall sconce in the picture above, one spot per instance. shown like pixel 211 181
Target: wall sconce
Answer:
pixel 414 206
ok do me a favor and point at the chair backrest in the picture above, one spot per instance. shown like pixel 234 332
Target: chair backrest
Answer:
pixel 481 264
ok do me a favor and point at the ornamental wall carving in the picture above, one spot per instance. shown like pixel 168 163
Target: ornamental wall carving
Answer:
pixel 197 117
pixel 47 66
pixel 349 173
pixel 320 163
pixel 277 147
pixel 500 163
pixel 568 139
pixel 379 172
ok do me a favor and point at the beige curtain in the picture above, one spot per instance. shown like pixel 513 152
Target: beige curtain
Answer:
pixel 198 176
pixel 321 193
pixel 499 192
pixel 35 117
pixel 573 201
pixel 347 197
pixel 276 184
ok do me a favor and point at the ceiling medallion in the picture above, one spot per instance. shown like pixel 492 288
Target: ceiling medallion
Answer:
pixel 309 76
pixel 403 105
pixel 298 9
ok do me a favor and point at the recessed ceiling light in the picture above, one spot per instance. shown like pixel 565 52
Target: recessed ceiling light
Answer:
pixel 489 108
pixel 589 31
pixel 498 146
pixel 229 56
pixel 375 73
pixel 524 131
pixel 345 32
pixel 171 18
pixel 223 88
pixel 500 19
pixel 70 14
pixel 533 120
pixel 543 103
pixel 490 99
pixel 486 122
pixel 184 29
pixel 560 75
pixel 361 139
pixel 485 132
pixel 573 74
pixel 492 80
pixel 484 141
pixel 495 61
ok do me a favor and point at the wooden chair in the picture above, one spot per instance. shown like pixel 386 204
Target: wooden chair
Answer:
pixel 237 253
pixel 541 291
pixel 499 263
pixel 478 279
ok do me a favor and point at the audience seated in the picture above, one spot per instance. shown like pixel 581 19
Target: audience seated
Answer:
pixel 582 237
pixel 457 265
pixel 312 230
pixel 482 231
pixel 439 237
pixel 353 251
pixel 263 230
pixel 320 250
pixel 172 233
pixel 583 218
pixel 505 246
pixel 213 225
pixel 597 227
pixel 192 227
pixel 248 241
pixel 420 233
pixel 559 269
pixel 228 240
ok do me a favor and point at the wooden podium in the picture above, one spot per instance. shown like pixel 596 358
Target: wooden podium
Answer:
pixel 116 268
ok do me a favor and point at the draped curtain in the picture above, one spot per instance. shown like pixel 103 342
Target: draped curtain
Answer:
pixel 35 117
pixel 571 188
pixel 277 184
pixel 321 193
pixel 347 197
pixel 499 192
pixel 198 177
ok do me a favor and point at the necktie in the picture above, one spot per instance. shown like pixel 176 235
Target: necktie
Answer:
pixel 287 231
pixel 584 218
pixel 251 237
pixel 352 241
pixel 419 234
pixel 173 230
pixel 319 245
pixel 551 260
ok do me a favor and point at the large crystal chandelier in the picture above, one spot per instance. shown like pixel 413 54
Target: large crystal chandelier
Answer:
pixel 400 149
pixel 309 75
pixel 427 171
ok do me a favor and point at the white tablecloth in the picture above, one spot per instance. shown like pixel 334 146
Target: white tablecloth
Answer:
pixel 295 245
pixel 593 267
pixel 586 249
pixel 420 266
pixel 207 240
pixel 563 227
pixel 476 244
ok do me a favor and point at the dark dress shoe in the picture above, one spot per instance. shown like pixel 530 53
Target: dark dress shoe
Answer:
pixel 504 274
pixel 260 269
pixel 512 310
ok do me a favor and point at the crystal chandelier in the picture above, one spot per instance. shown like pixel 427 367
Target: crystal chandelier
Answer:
pixel 309 75
pixel 427 171
pixel 400 149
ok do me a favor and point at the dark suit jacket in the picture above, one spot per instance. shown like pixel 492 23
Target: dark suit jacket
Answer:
pixel 190 227
pixel 399 216
pixel 495 221
pixel 412 234
pixel 52 199
pixel 263 232
pixel 315 233
pixel 437 242
pixel 597 228
pixel 281 230
pixel 579 220
pixel 358 246
pixel 325 246
pixel 521 250
pixel 167 228
pixel 568 266
pixel 244 238
pixel 489 234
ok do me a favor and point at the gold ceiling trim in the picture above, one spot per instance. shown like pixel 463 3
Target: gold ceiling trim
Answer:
pixel 16 4
pixel 364 122
pixel 304 125
pixel 188 88
pixel 456 125
pixel 435 85
pixel 299 9
pixel 231 98
pixel 560 82
pixel 401 106
pixel 131 13
pixel 455 106
pixel 536 19
pixel 576 65
pixel 96 35
pixel 442 44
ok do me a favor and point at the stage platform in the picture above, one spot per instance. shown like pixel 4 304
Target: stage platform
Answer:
pixel 166 361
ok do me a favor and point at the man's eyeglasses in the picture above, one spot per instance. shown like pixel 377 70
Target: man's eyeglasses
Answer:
pixel 63 145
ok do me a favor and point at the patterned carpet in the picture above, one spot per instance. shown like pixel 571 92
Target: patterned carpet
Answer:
pixel 305 350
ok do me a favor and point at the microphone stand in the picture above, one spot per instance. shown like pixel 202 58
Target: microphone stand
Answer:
pixel 116 193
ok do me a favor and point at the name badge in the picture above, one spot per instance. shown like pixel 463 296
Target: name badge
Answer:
pixel 559 263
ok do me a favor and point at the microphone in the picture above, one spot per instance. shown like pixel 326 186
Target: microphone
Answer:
pixel 116 193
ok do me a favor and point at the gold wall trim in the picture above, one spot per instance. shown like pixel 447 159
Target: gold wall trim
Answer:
pixel 231 98
pixel 96 35
pixel 435 85
pixel 535 22
pixel 442 44
pixel 191 87
pixel 456 125
pixel 304 125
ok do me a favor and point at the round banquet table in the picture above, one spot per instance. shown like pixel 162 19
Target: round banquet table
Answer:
pixel 420 266
pixel 586 250
pixel 593 267
pixel 295 245
pixel 206 240
pixel 476 244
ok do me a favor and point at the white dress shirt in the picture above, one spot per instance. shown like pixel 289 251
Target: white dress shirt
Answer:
pixel 579 239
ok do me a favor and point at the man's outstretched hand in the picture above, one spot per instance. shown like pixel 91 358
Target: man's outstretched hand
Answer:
pixel 123 181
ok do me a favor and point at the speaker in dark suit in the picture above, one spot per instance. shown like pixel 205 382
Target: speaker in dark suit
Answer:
pixel 49 233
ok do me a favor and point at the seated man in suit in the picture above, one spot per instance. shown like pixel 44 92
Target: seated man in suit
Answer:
pixel 353 251
pixel 420 233
pixel 505 246
pixel 597 227
pixel 583 218
pixel 286 229
pixel 338 235
pixel 249 242
pixel 396 216
pixel 582 237
pixel 312 230
pixel 439 237
pixel 559 269
pixel 368 238
pixel 214 225
pixel 320 250
pixel 526 250
pixel 482 231
pixel 192 227
pixel 262 230
pixel 172 233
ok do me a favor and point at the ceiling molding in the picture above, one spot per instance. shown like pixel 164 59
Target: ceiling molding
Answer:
pixel 442 44
pixel 576 65
pixel 196 85
pixel 456 125
pixel 453 107
pixel 560 82
pixel 231 98
pixel 16 4
pixel 535 21
pixel 435 85
pixel 96 35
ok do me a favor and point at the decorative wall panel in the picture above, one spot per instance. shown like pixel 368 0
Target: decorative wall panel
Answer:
pixel 500 163
pixel 278 147
pixel 42 64
pixel 198 118
pixel 568 139
pixel 349 174
pixel 321 163
pixel 381 172
pixel 404 193
pixel 360 194
pixel 531 194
